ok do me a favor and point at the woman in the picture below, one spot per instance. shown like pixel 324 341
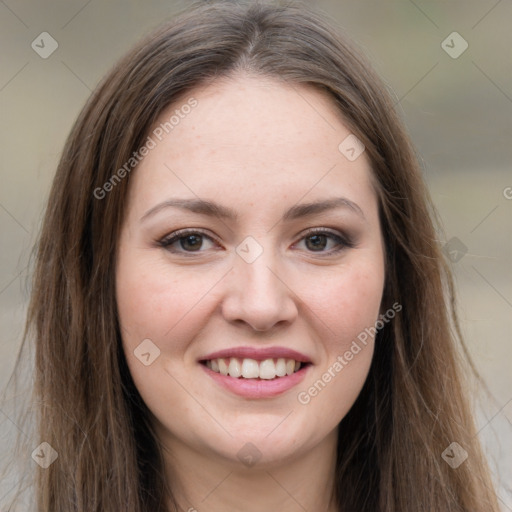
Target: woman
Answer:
pixel 239 301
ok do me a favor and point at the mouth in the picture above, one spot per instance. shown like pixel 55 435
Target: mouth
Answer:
pixel 256 373
pixel 247 368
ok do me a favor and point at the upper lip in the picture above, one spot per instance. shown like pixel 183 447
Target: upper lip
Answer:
pixel 258 354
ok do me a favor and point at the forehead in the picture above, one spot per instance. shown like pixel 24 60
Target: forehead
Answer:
pixel 252 134
pixel 257 114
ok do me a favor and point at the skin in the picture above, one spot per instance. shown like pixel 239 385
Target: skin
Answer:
pixel 259 147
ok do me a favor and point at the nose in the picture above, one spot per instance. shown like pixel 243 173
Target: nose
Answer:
pixel 257 295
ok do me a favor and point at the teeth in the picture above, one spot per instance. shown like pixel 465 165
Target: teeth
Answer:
pixel 234 368
pixel 223 367
pixel 281 367
pixel 251 369
pixel 267 369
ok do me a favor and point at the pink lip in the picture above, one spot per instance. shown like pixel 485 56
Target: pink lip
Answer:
pixel 257 388
pixel 258 354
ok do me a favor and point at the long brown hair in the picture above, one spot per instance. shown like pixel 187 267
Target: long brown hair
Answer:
pixel 413 403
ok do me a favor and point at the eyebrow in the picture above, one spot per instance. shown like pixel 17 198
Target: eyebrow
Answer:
pixel 212 209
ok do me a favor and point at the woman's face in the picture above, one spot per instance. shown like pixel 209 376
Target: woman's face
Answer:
pixel 251 246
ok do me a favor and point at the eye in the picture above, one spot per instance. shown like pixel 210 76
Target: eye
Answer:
pixel 187 241
pixel 323 241
pixel 319 240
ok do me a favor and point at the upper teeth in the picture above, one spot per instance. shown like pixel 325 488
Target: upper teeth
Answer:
pixel 252 369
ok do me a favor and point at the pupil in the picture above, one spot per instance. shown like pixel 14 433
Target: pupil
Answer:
pixel 191 242
pixel 317 242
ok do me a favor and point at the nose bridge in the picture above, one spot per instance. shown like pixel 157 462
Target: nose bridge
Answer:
pixel 256 294
pixel 259 281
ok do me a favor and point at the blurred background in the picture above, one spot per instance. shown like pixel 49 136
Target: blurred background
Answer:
pixel 450 67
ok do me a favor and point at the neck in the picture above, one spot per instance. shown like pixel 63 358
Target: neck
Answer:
pixel 202 483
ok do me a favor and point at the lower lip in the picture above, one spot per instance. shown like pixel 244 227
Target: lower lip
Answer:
pixel 258 388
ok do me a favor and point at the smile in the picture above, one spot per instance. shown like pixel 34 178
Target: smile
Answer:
pixel 256 373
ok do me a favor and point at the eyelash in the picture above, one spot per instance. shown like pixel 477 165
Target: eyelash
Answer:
pixel 342 241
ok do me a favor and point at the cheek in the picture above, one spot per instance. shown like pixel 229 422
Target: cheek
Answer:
pixel 347 306
pixel 346 302
pixel 152 302
pixel 157 306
